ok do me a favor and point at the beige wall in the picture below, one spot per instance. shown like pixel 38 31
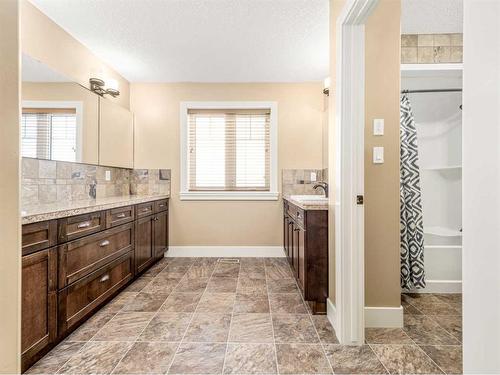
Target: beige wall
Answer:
pixel 10 247
pixel 47 42
pixel 156 108
pixel 382 85
pixel 72 92
pixel 382 180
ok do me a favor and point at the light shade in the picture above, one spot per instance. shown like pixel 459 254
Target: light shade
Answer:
pixel 111 83
pixel 326 83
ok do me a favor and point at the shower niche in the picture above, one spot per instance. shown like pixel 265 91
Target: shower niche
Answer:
pixel 438 119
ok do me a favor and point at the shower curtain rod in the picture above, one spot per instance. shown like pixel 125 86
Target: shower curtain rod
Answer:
pixel 429 90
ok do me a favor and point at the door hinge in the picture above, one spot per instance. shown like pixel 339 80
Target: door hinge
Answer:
pixel 359 199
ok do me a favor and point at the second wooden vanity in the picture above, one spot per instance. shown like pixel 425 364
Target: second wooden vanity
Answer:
pixel 71 266
pixel 305 239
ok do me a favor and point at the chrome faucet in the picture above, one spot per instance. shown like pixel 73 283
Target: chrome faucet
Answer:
pixel 322 185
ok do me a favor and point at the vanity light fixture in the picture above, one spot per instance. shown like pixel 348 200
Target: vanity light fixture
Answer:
pixel 97 85
pixel 326 86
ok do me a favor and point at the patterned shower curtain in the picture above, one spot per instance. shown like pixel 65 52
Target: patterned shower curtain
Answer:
pixel 412 230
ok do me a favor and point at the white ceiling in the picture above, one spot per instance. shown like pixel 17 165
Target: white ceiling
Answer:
pixel 431 16
pixel 202 40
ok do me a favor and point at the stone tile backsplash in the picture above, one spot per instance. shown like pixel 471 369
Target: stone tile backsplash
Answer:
pixel 298 181
pixel 431 48
pixel 47 181
pixel 149 181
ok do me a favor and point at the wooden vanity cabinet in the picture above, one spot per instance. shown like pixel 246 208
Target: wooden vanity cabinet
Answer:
pixel 305 235
pixel 39 304
pixel 72 266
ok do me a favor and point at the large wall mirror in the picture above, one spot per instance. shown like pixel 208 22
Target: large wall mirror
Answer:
pixel 64 121
pixel 60 118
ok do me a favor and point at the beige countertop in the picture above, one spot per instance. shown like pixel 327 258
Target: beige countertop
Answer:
pixel 48 211
pixel 307 204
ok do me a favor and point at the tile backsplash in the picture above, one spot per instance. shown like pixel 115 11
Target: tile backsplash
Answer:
pixel 298 181
pixel 431 48
pixel 47 181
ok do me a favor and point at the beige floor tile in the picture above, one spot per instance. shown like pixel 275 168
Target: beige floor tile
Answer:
pixel 291 328
pixel 386 336
pixel 181 302
pixel 145 302
pixel 226 270
pixel 160 286
pixel 125 326
pixel 216 303
pixel 91 326
pixel 139 284
pixel 56 358
pixel 250 359
pixel 147 358
pixel 302 359
pixel 287 303
pixel 247 303
pixel 256 328
pixel 282 286
pixel 191 285
pixel 452 324
pixel 96 358
pixel 425 331
pixel 448 358
pixel 325 330
pixel 222 285
pixel 353 360
pixel 198 358
pixel 166 326
pixel 405 359
pixel 208 328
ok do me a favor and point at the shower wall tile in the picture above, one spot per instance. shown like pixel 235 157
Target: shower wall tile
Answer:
pixel 431 48
pixel 46 181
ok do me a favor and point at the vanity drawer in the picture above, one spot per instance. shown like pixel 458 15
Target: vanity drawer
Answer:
pixel 296 213
pixel 119 216
pixel 81 257
pixel 79 300
pixel 38 236
pixel 78 226
pixel 161 205
pixel 145 209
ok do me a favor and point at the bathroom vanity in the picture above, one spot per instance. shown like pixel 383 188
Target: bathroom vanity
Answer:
pixel 75 259
pixel 305 238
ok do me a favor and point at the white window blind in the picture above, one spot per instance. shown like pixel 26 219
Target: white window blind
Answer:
pixel 49 133
pixel 228 150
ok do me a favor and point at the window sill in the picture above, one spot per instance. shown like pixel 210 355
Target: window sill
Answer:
pixel 228 196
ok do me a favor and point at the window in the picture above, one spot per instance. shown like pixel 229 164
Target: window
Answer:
pixel 50 133
pixel 229 151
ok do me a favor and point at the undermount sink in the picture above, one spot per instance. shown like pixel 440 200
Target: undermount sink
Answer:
pixel 316 198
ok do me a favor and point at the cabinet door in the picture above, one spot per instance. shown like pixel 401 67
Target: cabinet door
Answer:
pixel 160 234
pixel 285 235
pixel 144 252
pixel 39 283
pixel 290 241
pixel 296 238
pixel 301 235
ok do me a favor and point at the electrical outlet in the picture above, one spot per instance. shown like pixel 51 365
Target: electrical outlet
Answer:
pixel 378 155
pixel 107 175
pixel 313 176
pixel 378 126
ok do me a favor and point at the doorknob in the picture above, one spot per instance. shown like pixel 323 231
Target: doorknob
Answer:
pixel 360 200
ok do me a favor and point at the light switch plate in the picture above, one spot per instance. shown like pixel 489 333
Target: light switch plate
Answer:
pixel 107 175
pixel 313 176
pixel 378 126
pixel 378 155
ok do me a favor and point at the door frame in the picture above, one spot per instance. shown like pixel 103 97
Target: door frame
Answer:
pixel 349 171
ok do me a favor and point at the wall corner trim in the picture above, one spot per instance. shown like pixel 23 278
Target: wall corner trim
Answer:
pixel 331 313
pixel 384 317
pixel 226 251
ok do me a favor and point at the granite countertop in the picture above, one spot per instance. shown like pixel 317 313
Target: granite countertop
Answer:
pixel 307 204
pixel 48 211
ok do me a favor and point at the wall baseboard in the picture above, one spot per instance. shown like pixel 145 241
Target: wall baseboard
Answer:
pixel 226 251
pixel 331 313
pixel 384 317
pixel 441 286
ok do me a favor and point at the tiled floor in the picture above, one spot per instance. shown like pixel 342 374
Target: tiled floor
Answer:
pixel 197 316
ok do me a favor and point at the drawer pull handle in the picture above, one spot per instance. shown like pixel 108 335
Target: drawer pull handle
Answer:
pixel 155 219
pixel 146 209
pixel 104 278
pixel 104 243
pixel 83 225
pixel 120 216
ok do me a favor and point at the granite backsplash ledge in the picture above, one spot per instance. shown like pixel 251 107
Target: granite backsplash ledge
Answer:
pixel 47 181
